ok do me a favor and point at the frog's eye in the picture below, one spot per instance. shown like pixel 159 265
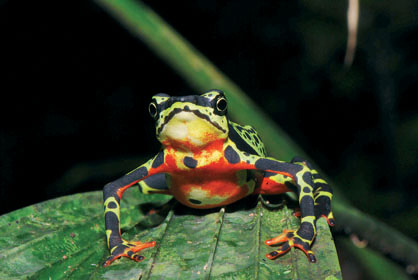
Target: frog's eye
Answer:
pixel 153 110
pixel 221 105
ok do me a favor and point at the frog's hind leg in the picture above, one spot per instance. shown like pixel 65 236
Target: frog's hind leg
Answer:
pixel 301 177
pixel 276 183
pixel 154 184
pixel 315 201
pixel 322 193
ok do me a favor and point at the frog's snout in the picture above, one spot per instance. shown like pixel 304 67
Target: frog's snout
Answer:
pixel 189 99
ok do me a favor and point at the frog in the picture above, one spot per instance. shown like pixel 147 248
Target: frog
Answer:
pixel 208 161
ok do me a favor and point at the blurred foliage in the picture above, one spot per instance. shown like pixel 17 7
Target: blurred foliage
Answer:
pixel 378 266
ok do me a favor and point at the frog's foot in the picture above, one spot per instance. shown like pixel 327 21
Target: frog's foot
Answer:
pixel 290 239
pixel 330 218
pixel 323 209
pixel 129 250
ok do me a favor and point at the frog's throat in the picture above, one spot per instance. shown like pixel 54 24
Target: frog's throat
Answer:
pixel 195 112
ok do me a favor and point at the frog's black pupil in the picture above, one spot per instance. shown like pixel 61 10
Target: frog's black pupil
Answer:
pixel 152 110
pixel 221 104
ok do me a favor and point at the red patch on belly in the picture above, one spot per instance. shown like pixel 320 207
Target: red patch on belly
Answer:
pixel 211 189
pixel 212 185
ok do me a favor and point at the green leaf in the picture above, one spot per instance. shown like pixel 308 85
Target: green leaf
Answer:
pixel 64 238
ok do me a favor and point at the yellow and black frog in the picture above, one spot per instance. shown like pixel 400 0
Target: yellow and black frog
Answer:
pixel 208 161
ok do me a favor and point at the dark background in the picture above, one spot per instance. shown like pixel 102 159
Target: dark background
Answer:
pixel 75 89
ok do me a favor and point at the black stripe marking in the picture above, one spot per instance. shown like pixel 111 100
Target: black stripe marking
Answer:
pixel 268 164
pixel 112 223
pixel 157 181
pixel 190 162
pixel 159 159
pixel 306 231
pixel 195 201
pixel 119 250
pixel 231 155
pixel 239 142
pixel 307 206
pixel 307 177
pixel 112 205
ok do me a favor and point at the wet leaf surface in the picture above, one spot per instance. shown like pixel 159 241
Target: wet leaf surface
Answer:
pixel 64 238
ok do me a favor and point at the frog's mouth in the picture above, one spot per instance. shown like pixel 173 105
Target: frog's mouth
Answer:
pixel 177 111
pixel 189 129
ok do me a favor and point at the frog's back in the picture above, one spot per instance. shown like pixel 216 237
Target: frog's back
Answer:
pixel 246 139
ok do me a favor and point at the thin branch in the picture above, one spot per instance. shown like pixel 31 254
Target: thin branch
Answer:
pixel 352 27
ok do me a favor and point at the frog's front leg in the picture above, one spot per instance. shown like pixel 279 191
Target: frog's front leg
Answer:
pixel 302 179
pixel 112 194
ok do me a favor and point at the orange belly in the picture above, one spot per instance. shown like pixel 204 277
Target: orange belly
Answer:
pixel 205 190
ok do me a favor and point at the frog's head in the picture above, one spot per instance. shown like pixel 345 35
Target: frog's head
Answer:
pixel 190 122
